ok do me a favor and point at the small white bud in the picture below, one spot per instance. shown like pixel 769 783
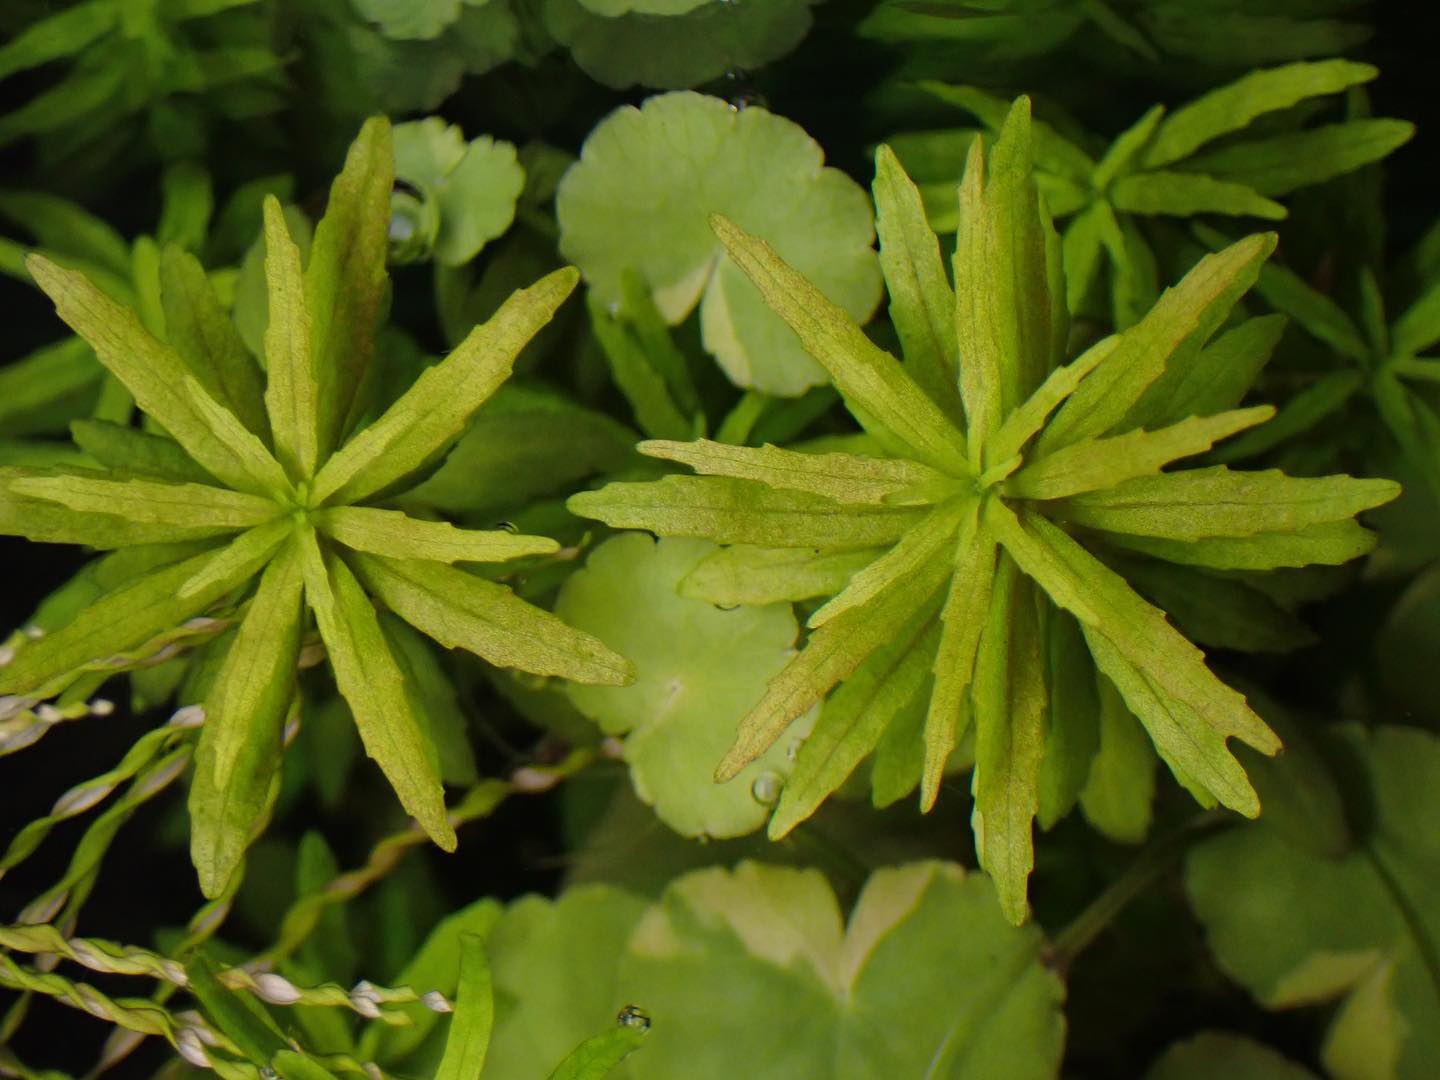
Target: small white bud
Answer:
pixel 79 799
pixel 190 716
pixel 7 655
pixel 435 1001
pixel 531 780
pixel 276 989
pixel 188 1043
pixel 101 707
pixel 34 633
pixel 49 714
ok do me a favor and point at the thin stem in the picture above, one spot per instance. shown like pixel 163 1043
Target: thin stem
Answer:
pixel 1144 871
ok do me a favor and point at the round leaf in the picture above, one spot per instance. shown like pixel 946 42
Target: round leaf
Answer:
pixel 473 186
pixel 641 197
pixel 613 8
pixel 699 669
pixel 1218 1053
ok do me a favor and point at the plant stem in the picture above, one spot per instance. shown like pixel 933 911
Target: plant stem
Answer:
pixel 1147 867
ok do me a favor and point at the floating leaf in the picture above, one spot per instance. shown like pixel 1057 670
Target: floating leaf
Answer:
pixel 689 156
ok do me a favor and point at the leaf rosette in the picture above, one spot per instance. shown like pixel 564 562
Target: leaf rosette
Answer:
pixel 274 498
pixel 967 553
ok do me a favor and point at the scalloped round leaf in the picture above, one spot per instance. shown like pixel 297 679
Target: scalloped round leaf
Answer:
pixel 752 972
pixel 678 50
pixel 413 20
pixel 1296 927
pixel 474 185
pixel 641 197
pixel 699 670
pixel 1219 1053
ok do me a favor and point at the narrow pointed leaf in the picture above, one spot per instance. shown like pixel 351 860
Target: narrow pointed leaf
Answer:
pixel 371 682
pixel 1163 678
pixel 121 620
pixel 460 610
pixel 57 36
pixel 392 533
pixel 250 549
pixel 433 413
pixel 1009 700
pixel 846 478
pixel 1184 317
pixel 264 473
pixel 468 1040
pixel 744 574
pixel 50 522
pixel 345 277
pixel 967 606
pixel 866 375
pixel 1301 413
pixel 597 1056
pixel 1199 503
pixel 1329 543
pixel 1312 309
pixel 201 331
pixel 1072 723
pixel 1188 194
pixel 238 756
pixel 151 501
pixel 239 1017
pixel 832 653
pixel 933 534
pixel 1003 304
pixel 922 304
pixel 1053 152
pixel 656 411
pixel 152 371
pixel 1121 785
pixel 1121 156
pixel 1082 246
pixel 1022 424
pixel 1282 163
pixel 1234 105
pixel 1211 380
pixel 291 387
pixel 854 718
pixel 743 512
pixel 1102 463
pixel 126 450
pixel 1419 327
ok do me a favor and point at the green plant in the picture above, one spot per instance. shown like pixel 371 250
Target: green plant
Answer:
pixel 986 489
pixel 274 488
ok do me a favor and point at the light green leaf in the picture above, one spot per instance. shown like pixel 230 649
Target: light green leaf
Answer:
pixel 121 620
pixel 474 1017
pixel 1188 194
pixel 675 51
pixel 474 185
pixel 555 967
pixel 744 574
pixel 1328 544
pixel 846 478
pixel 128 450
pixel 238 757
pixel 292 386
pixel 759 977
pixel 265 473
pixel 732 511
pixel 699 669
pixel 1355 928
pixel 152 371
pixel 371 682
pixel 431 415
pixel 831 654
pixel 1120 786
pixel 1121 155
pixel 1211 380
pixel 1008 699
pixel 1030 417
pixel 200 330
pixel 967 604
pixel 1233 106
pixel 1184 318
pixel 345 278
pixel 1163 678
pixel 870 378
pixel 296 1065
pixel 1282 163
pixel 1092 464
pixel 922 304
pixel 48 522
pixel 1199 503
pixel 150 501
pixel 1082 246
pixel 635 371
pixel 892 680
pixel 1001 281
pixel 598 1055
pixel 1072 722
pixel 933 534
pixel 461 610
pixel 186 204
pixel 434 700
pixel 1218 1053
pixel 251 549
pixel 389 532
pixel 689 155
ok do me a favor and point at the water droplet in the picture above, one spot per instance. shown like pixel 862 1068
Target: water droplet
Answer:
pixel 632 1016
pixel 792 750
pixel 740 91
pixel 766 788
